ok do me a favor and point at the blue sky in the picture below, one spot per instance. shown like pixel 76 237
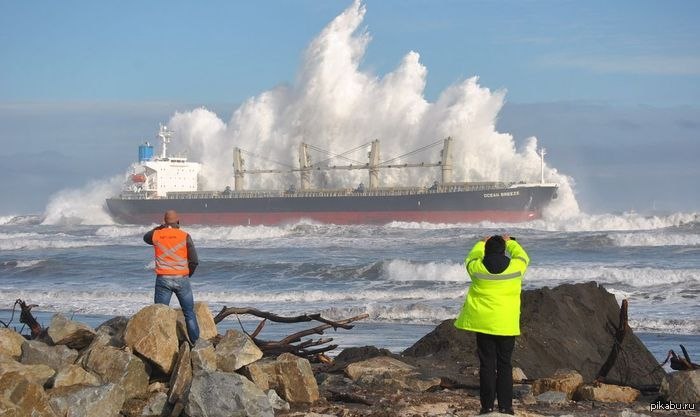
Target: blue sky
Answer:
pixel 611 88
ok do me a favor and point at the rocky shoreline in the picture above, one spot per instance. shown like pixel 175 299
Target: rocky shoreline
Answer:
pixel 144 366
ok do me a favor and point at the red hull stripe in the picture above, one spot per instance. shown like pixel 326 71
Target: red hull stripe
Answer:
pixel 350 217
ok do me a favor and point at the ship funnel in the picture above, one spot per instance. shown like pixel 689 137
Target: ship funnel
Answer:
pixel 446 162
pixel 374 165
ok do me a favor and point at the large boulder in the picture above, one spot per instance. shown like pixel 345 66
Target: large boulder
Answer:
pixel 236 350
pixel 181 378
pixel 156 405
pixel 682 387
pixel 289 375
pixel 87 401
pixel 203 355
pixel 73 334
pixel 37 374
pixel 152 333
pixel 21 397
pixel 563 380
pixel 384 371
pixel 55 357
pixel 120 368
pixel 74 375
pixel 11 343
pixel 606 393
pixel 225 394
pixel 569 326
pixel 115 329
pixel 205 320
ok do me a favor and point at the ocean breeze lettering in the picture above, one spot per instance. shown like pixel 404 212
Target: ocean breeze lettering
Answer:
pixel 502 194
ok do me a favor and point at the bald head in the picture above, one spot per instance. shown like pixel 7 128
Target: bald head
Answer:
pixel 170 217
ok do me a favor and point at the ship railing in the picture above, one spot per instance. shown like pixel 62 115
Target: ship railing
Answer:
pixel 342 192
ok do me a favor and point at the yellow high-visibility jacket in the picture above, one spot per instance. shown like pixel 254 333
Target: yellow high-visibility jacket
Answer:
pixel 492 305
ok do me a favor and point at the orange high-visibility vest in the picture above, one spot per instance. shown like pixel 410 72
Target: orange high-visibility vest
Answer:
pixel 170 245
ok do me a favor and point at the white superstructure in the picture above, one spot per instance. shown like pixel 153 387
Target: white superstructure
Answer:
pixel 161 175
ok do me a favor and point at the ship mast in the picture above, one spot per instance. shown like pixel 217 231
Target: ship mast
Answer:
pixel 304 167
pixel 237 169
pixel 446 156
pixel 164 135
pixel 543 152
pixel 374 165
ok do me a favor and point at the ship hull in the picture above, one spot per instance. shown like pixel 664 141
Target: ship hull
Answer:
pixel 498 205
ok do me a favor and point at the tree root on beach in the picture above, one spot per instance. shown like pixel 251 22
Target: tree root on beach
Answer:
pixel 25 317
pixel 292 343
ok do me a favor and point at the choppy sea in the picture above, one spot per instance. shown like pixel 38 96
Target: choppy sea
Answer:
pixel 407 276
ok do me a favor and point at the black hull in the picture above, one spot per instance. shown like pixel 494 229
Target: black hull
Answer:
pixel 500 204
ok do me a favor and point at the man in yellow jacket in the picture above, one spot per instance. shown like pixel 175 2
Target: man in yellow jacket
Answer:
pixel 492 310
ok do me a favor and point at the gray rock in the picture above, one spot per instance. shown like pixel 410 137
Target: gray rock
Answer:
pixel 203 356
pixel 38 374
pixel 682 387
pixel 552 398
pixel 181 378
pixel 121 368
pixel 74 375
pixel 223 394
pixel 73 334
pixel 114 328
pixel 55 357
pixel 521 391
pixel 276 402
pixel 82 401
pixel 156 405
pixel 289 375
pixel 236 350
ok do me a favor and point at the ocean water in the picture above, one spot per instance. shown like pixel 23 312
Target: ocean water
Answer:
pixel 407 276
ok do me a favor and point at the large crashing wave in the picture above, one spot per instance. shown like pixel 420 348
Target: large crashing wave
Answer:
pixel 336 106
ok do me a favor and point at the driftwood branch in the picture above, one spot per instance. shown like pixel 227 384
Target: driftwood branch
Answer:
pixel 292 343
pixel 227 311
pixel 617 343
pixel 678 363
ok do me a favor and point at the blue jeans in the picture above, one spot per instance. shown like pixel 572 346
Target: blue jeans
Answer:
pixel 165 287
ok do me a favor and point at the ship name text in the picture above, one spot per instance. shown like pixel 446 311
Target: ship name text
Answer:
pixel 502 194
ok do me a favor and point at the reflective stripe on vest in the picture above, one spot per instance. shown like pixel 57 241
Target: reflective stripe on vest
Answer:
pixel 170 252
pixel 497 276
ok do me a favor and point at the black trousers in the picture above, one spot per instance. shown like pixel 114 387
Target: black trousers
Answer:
pixel 495 370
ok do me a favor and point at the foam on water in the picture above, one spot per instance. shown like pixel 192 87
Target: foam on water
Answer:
pixel 402 270
pixel 654 239
pixel 6 219
pixel 23 263
pixel 85 205
pixel 32 241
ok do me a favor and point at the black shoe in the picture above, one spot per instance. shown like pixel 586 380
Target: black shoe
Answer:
pixel 506 411
pixel 486 411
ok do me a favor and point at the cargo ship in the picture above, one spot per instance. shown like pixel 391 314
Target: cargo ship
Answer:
pixel 163 182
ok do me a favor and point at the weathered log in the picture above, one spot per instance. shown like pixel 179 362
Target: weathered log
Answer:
pixel 227 311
